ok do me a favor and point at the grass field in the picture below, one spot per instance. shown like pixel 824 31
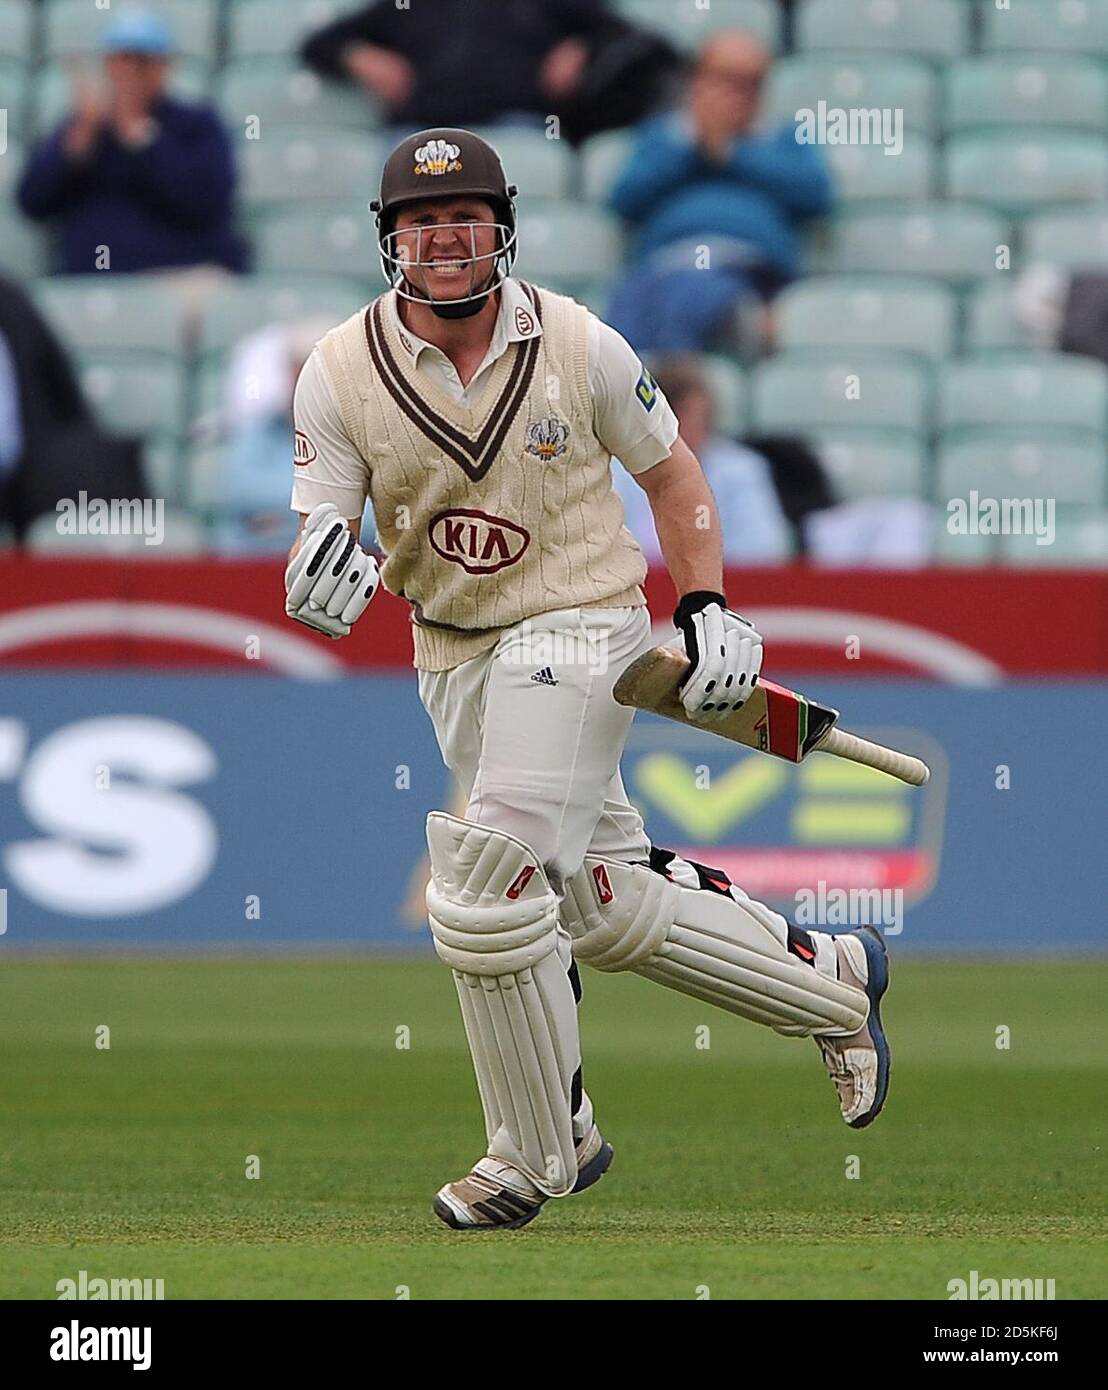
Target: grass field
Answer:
pixel 731 1161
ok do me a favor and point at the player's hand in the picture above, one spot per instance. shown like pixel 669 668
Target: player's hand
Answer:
pixel 725 656
pixel 330 580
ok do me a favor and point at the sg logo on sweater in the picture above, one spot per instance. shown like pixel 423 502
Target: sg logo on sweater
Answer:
pixel 480 543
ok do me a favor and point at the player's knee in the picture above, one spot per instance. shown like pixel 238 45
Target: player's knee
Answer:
pixel 535 828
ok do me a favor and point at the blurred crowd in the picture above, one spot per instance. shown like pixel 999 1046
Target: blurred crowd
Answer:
pixel 186 191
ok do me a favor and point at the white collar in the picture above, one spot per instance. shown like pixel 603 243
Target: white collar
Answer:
pixel 516 321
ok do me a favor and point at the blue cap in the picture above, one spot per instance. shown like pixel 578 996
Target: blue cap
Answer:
pixel 139 31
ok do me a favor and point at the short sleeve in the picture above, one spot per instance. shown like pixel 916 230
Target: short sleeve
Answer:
pixel 632 419
pixel 326 465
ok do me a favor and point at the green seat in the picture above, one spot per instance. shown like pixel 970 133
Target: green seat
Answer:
pixel 1075 238
pixel 938 30
pixel 329 238
pixel 92 313
pixel 1047 26
pixel 262 29
pixel 802 80
pixel 248 304
pixel 990 320
pixel 964 551
pixel 290 165
pixel 76 26
pixel 906 315
pixel 135 393
pixel 601 160
pixel 1031 463
pixel 162 466
pixel 1080 541
pixel 11 167
pixel 17 19
pixel 862 172
pixel 1024 390
pixel 24 245
pixel 15 93
pixel 801 392
pixel 1026 90
pixel 687 24
pixel 279 93
pixel 542 168
pixel 52 95
pixel 882 463
pixel 1015 172
pixel 952 241
pixel 727 382
pixel 566 245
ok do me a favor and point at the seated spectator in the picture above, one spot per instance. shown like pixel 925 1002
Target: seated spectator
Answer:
pixel 50 444
pixel 755 529
pixel 134 170
pixel 252 495
pixel 710 175
pixel 469 62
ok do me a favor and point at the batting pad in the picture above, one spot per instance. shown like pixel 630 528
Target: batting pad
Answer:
pixel 732 954
pixel 495 922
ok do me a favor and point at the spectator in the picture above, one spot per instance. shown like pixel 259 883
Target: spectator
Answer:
pixel 755 529
pixel 253 487
pixel 50 445
pixel 467 62
pixel 134 170
pixel 711 175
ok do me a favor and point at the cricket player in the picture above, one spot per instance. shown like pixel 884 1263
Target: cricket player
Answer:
pixel 480 415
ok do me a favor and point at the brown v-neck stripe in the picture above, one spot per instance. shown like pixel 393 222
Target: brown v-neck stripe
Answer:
pixel 474 456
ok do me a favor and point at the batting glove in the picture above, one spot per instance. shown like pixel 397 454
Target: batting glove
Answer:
pixel 725 656
pixel 330 580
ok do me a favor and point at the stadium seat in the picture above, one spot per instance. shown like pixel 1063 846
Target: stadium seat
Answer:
pixel 1025 90
pixel 24 246
pixel 567 245
pixel 802 80
pixel 261 29
pixel 1047 26
pixel 601 160
pixel 542 168
pixel 182 535
pixel 727 382
pixel 687 24
pixel 968 551
pixel 990 321
pixel 135 393
pixel 862 172
pixel 15 92
pixel 331 238
pixel 938 30
pixel 1014 172
pixel 1024 390
pixel 75 26
pixel 884 463
pixel 1007 463
pixel 51 97
pixel 1075 238
pixel 1080 541
pixel 953 241
pixel 162 466
pixel 249 304
pixel 906 315
pixel 799 392
pixel 17 19
pixel 292 165
pixel 279 93
pixel 11 167
pixel 131 313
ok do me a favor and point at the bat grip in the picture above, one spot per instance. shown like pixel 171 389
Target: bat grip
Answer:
pixel 861 750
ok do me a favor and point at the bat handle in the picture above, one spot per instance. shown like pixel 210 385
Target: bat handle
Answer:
pixel 861 750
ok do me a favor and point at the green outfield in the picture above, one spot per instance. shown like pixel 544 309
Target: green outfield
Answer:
pixel 730 1178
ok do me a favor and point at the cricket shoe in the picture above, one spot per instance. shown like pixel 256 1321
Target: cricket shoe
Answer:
pixel 495 1196
pixel 859 1064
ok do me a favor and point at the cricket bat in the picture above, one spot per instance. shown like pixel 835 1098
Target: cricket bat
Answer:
pixel 775 720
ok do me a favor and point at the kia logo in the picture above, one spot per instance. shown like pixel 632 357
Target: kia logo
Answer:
pixel 480 543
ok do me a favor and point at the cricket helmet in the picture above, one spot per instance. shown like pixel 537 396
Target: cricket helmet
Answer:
pixel 445 162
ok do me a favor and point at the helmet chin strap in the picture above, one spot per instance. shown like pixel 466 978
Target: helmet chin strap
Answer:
pixel 464 308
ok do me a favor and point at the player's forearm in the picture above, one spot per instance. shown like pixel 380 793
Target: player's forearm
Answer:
pixel 687 522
